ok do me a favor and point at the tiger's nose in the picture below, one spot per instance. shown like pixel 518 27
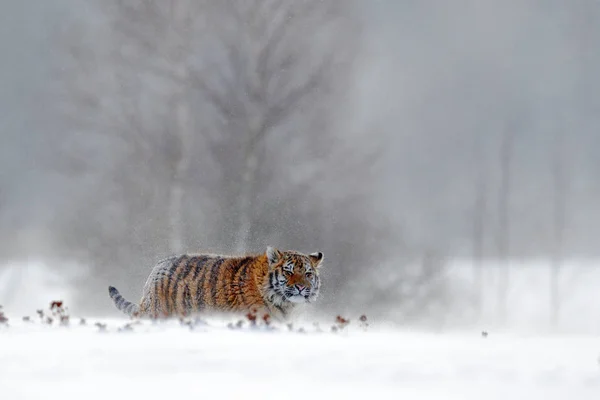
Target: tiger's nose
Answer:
pixel 300 287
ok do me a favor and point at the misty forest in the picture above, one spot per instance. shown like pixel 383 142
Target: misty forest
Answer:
pixel 328 199
pixel 444 159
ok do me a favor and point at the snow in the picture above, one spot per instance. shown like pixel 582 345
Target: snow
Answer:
pixel 169 360
pixel 518 361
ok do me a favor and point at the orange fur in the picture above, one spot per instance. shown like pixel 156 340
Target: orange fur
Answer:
pixel 271 283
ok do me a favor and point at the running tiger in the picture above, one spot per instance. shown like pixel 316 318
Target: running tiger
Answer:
pixel 272 283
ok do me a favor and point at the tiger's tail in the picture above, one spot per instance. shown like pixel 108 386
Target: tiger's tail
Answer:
pixel 126 306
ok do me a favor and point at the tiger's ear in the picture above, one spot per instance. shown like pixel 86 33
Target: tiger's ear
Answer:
pixel 273 255
pixel 316 259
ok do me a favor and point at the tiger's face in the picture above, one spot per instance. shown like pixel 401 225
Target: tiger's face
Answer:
pixel 293 277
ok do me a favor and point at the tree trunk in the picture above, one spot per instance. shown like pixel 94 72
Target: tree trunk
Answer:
pixel 183 133
pixel 504 223
pixel 479 230
pixel 246 199
pixel 181 164
pixel 559 183
pixel 175 216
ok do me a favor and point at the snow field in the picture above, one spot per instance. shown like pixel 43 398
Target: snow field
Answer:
pixel 171 361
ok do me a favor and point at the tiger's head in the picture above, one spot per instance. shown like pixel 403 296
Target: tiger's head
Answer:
pixel 293 277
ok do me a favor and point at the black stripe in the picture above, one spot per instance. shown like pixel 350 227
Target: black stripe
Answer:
pixel 200 266
pixel 164 284
pixel 237 273
pixel 273 279
pixel 274 282
pixel 176 278
pixel 187 303
pixel 186 272
pixel 154 311
pixel 166 266
pixel 182 265
pixel 214 278
pixel 277 306
pixel 187 269
pixel 244 274
pixel 230 287
pixel 241 283
pixel 167 278
pixel 201 261
pixel 200 303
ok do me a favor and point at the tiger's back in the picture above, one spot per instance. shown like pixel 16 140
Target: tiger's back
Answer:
pixel 186 284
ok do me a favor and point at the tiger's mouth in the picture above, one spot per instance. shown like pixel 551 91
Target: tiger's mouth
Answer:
pixel 293 294
pixel 297 298
pixel 304 297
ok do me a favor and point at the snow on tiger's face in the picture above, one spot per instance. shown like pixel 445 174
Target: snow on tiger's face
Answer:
pixel 293 277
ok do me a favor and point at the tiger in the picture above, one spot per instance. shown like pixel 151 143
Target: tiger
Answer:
pixel 273 283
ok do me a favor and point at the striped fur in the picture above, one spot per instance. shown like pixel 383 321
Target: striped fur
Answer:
pixel 272 282
pixel 123 305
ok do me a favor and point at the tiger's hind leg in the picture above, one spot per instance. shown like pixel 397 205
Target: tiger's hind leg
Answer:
pixel 152 305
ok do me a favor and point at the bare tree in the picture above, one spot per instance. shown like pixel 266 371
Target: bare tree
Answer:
pixel 147 54
pixel 559 180
pixel 267 75
pixel 225 107
pixel 156 38
pixel 479 214
pixel 126 98
pixel 506 155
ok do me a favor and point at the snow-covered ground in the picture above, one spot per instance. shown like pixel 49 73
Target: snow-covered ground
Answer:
pixel 170 361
